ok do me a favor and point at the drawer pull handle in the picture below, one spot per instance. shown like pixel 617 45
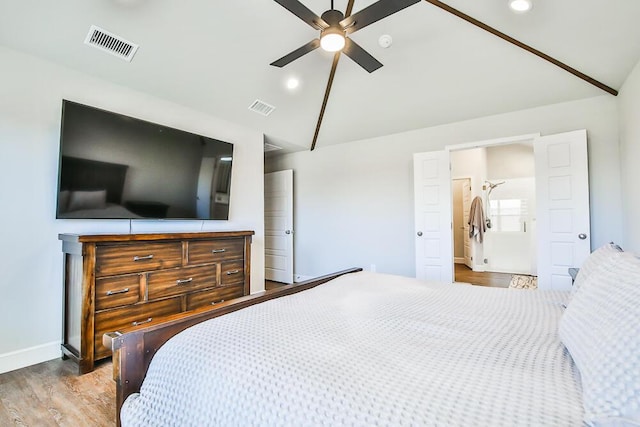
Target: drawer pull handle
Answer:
pixel 214 303
pixel 142 258
pixel 218 251
pixel 184 281
pixel 142 322
pixel 229 273
pixel 121 291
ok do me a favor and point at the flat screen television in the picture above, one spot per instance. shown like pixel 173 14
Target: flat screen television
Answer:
pixel 115 166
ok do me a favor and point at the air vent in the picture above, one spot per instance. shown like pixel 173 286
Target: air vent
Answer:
pixel 271 147
pixel 111 43
pixel 261 107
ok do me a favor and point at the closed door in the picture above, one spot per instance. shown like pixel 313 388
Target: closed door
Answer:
pixel 278 224
pixel 433 216
pixel 562 193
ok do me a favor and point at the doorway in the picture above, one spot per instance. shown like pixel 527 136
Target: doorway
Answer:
pixel 562 208
pixel 507 199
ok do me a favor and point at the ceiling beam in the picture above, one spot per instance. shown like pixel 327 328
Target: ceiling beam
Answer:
pixel 521 45
pixel 332 74
pixel 334 66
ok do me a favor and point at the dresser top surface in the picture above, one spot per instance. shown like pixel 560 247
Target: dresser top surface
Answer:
pixel 95 238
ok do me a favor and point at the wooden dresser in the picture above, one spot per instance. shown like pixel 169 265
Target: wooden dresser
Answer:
pixel 117 281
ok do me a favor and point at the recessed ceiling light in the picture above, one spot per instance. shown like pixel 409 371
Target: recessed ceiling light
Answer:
pixel 293 83
pixel 520 6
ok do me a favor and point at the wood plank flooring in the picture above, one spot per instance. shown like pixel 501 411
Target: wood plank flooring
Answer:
pixel 52 394
pixel 465 274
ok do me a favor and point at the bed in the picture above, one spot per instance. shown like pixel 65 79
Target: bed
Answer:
pixel 360 348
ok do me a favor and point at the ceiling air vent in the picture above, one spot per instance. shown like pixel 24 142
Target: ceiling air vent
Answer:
pixel 261 107
pixel 111 43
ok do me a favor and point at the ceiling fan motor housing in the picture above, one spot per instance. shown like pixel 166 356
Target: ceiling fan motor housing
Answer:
pixel 333 17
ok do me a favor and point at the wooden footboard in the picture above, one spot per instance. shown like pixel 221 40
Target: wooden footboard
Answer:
pixel 134 349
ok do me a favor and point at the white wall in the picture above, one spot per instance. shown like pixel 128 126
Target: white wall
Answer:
pixel 354 202
pixel 31 93
pixel 629 104
pixel 510 161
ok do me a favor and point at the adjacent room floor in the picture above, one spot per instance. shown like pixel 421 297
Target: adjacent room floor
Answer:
pixel 466 275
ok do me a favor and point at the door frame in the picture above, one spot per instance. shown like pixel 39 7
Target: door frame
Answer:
pixel 481 144
pixel 466 239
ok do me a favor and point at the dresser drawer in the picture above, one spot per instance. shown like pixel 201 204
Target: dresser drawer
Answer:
pixel 232 273
pixel 137 257
pixel 178 281
pixel 206 298
pixel 203 251
pixel 117 291
pixel 126 317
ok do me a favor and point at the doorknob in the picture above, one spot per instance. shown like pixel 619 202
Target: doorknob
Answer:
pixel 287 232
pixel 419 233
pixel 582 236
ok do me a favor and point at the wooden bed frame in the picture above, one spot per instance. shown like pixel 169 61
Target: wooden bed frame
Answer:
pixel 133 349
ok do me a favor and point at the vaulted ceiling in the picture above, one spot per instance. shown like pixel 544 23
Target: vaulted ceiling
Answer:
pixel 214 56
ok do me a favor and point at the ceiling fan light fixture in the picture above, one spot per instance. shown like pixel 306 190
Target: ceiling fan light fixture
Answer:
pixel 520 6
pixel 332 39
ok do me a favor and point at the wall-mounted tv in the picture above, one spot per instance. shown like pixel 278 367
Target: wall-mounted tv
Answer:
pixel 115 166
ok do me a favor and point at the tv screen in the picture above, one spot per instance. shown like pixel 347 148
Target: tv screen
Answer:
pixel 115 166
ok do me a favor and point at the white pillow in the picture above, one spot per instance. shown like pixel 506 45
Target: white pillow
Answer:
pixel 87 200
pixel 601 330
pixel 593 261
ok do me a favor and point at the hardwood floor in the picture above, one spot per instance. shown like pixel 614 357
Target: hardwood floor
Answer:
pixel 465 274
pixel 52 394
pixel 269 284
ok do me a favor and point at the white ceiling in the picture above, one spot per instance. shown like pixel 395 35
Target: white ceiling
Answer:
pixel 214 56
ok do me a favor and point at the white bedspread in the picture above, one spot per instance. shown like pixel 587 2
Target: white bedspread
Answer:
pixel 369 349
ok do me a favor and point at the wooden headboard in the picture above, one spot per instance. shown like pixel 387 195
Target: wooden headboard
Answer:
pixel 78 174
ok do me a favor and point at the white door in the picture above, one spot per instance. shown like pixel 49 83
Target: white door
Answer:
pixel 562 193
pixel 466 209
pixel 432 199
pixel 278 226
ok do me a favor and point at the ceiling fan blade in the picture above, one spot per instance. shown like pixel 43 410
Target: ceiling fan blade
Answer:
pixel 375 12
pixel 360 56
pixel 290 57
pixel 302 12
pixel 334 66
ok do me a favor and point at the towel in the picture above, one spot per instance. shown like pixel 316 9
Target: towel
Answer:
pixel 477 224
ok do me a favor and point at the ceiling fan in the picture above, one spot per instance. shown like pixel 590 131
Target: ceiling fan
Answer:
pixel 334 26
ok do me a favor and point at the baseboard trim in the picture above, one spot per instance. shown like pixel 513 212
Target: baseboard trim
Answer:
pixel 29 356
pixel 458 260
pixel 300 278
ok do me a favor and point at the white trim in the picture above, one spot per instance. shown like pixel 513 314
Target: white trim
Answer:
pixel 300 278
pixel 492 142
pixel 458 260
pixel 29 356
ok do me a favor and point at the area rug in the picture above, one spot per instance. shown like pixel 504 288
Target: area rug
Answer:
pixel 519 281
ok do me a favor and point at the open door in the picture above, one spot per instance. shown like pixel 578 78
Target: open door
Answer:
pixel 278 226
pixel 433 217
pixel 562 193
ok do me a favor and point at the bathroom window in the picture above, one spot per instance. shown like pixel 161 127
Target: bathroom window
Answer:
pixel 508 214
